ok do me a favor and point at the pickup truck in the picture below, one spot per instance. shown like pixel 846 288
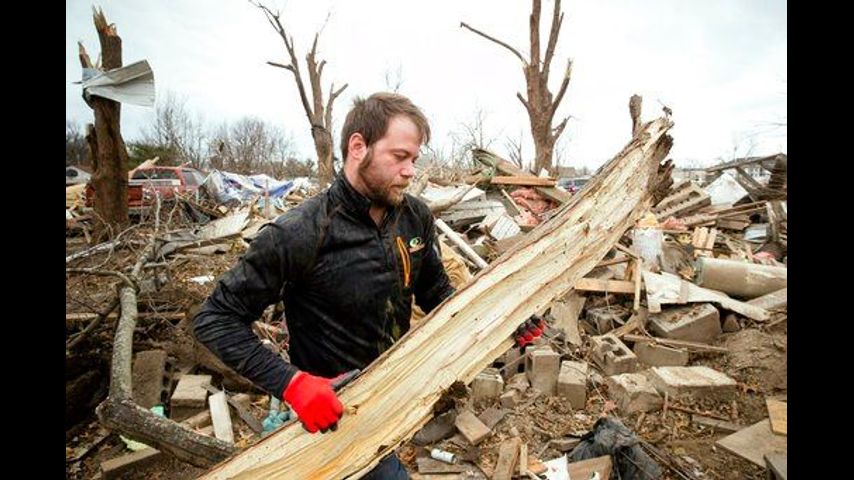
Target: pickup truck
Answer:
pixel 166 181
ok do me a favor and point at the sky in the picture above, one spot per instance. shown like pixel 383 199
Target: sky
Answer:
pixel 720 66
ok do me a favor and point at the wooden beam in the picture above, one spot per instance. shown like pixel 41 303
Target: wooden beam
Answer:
pixel 394 396
pixel 525 181
pixel 503 166
pixel 610 286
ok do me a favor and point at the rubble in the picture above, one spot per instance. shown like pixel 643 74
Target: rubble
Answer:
pixel 683 329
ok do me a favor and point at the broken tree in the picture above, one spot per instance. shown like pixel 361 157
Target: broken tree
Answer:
pixel 540 104
pixel 319 115
pixel 394 396
pixel 107 152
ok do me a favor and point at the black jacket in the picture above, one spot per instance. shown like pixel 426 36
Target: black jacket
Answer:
pixel 343 281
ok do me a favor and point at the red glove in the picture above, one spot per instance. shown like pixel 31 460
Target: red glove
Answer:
pixel 314 402
pixel 528 331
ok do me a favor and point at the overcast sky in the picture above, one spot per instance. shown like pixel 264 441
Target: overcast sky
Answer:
pixel 719 65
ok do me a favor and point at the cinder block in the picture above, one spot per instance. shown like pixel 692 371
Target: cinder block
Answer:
pixel 696 323
pixel 655 355
pixel 612 355
pixel 510 398
pixel 542 367
pixel 605 319
pixel 696 382
pixel 633 392
pixel 189 397
pixel 518 382
pixel 487 385
pixel 572 383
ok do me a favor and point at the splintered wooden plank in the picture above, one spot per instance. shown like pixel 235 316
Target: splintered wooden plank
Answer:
pixel 526 181
pixel 610 286
pixel 221 417
pixel 394 396
pixel 754 442
pixel 508 454
pixel 778 415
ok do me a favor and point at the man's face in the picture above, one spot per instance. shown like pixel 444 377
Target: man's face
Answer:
pixel 388 165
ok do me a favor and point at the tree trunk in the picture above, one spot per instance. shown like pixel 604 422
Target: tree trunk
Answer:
pixel 323 146
pixel 110 157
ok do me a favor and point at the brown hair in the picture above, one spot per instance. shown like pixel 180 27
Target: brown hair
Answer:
pixel 370 118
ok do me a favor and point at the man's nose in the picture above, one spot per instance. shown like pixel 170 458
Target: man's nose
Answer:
pixel 408 170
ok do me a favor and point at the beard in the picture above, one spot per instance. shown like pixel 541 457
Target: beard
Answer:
pixel 381 192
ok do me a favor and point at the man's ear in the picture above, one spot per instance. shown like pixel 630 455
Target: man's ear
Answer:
pixel 356 147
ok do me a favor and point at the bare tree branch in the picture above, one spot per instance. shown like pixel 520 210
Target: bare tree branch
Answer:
pixel 534 21
pixel 562 89
pixel 508 47
pixel 524 102
pixel 559 129
pixel 557 21
pixel 286 67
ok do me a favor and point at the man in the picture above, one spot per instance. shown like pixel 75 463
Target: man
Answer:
pixel 346 263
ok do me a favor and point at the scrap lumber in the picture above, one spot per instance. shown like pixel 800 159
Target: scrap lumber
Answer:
pixel 394 396
pixel 609 286
pixel 503 166
pixel 455 238
pixel 524 181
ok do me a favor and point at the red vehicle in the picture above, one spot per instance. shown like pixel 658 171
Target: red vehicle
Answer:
pixel 165 181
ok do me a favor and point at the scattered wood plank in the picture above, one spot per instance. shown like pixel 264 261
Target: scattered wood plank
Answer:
pixel 116 467
pixel 508 455
pixel 722 426
pixel 511 202
pixel 754 442
pixel 455 238
pixel 524 181
pixel 429 465
pixel 609 286
pixel 778 415
pixel 395 395
pixel 221 417
pixel 523 459
pixel 565 314
pixel 507 168
pixel 471 427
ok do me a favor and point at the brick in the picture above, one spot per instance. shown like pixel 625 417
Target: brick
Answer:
pixel 633 392
pixel 612 355
pixel 487 385
pixel 572 383
pixel 189 397
pixel 656 355
pixel 695 323
pixel 542 367
pixel 696 382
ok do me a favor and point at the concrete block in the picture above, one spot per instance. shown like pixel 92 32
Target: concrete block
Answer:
pixel 518 382
pixel 149 371
pixel 612 355
pixel 633 392
pixel 696 382
pixel 572 383
pixel 605 319
pixel 510 398
pixel 696 323
pixel 655 355
pixel 189 397
pixel 487 385
pixel 542 367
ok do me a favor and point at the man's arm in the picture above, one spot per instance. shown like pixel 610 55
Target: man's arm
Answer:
pixel 432 285
pixel 241 295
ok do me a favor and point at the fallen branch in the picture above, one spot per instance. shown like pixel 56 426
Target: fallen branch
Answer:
pixel 120 413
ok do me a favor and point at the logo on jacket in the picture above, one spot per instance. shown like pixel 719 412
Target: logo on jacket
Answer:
pixel 415 244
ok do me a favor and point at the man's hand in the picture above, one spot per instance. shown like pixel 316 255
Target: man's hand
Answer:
pixel 528 331
pixel 314 402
